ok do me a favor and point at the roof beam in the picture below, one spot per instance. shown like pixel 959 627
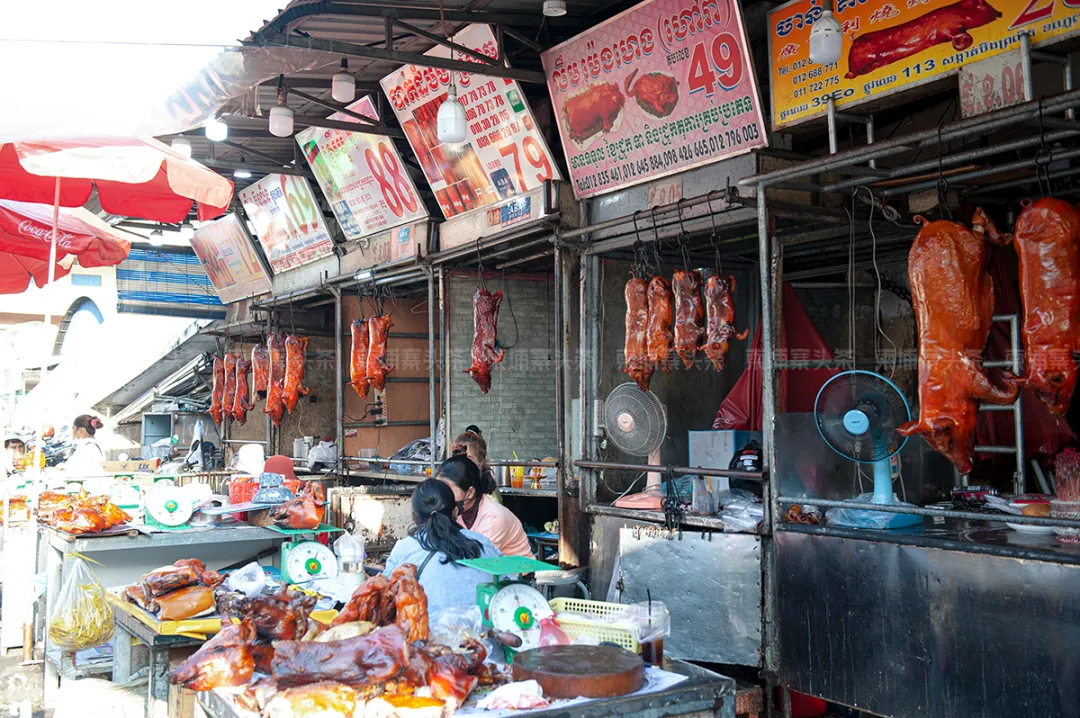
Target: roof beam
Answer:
pixel 250 167
pixel 514 19
pixel 336 47
pixel 446 42
pixel 336 107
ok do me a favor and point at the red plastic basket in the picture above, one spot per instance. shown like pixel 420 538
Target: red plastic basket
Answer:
pixel 241 491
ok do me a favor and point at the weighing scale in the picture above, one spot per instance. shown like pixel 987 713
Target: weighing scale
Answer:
pixel 510 605
pixel 168 508
pixel 304 561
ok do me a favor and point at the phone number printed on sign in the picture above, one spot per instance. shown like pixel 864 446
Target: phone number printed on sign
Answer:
pixel 895 45
pixel 663 87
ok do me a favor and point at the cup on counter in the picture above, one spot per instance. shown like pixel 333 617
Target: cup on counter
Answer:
pixel 517 477
pixel 654 623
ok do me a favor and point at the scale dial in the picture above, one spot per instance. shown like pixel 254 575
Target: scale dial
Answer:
pixel 169 506
pixel 309 559
pixel 518 608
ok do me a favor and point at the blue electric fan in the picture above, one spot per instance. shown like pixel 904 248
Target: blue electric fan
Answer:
pixel 857 413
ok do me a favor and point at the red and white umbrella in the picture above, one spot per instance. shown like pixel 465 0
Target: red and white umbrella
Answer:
pixel 26 231
pixel 17 271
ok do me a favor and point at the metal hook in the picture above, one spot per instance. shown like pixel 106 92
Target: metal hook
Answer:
pixel 679 207
pixel 480 265
pixel 715 234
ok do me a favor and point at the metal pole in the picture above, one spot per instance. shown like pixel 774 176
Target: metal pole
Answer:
pixel 433 408
pixel 984 172
pixel 832 126
pixel 1025 65
pixel 339 386
pixel 674 470
pixel 560 419
pixel 444 360
pixel 1018 405
pixel 902 508
pixel 870 137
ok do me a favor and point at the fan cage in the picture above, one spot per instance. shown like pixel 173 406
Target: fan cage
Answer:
pixel 880 398
pixel 650 420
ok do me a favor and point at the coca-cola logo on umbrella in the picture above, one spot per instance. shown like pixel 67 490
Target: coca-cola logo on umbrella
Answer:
pixel 30 228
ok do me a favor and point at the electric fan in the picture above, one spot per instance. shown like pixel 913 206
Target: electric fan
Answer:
pixel 636 423
pixel 857 413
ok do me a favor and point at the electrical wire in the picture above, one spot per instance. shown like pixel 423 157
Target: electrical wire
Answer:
pixel 877 287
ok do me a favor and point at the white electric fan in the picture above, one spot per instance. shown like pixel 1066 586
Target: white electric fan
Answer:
pixel 857 413
pixel 636 423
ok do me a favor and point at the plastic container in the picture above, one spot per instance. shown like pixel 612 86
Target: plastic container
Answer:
pixel 517 477
pixel 243 491
pixel 574 615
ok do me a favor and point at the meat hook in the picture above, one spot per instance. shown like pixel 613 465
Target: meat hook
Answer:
pixel 480 263
pixel 715 235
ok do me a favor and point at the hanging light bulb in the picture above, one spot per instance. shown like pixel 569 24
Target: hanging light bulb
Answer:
pixel 451 117
pixel 187 231
pixel 182 146
pixel 156 238
pixel 554 8
pixel 281 117
pixel 343 85
pixel 216 130
pixel 243 174
pixel 826 40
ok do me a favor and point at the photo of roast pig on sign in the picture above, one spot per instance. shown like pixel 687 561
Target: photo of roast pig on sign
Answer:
pixel 648 93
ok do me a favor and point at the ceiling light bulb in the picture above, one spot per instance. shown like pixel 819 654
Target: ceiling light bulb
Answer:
pixel 243 174
pixel 156 238
pixel 343 85
pixel 554 8
pixel 182 146
pixel 216 130
pixel 187 231
pixel 826 40
pixel 451 118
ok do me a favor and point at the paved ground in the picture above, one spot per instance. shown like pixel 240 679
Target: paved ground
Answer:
pixel 20 683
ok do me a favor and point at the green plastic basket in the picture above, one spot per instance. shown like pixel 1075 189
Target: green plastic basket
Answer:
pixel 575 616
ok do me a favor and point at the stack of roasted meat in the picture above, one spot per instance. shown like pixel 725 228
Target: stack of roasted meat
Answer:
pixel 79 513
pixel 375 658
pixel 18 510
pixel 303 512
pixel 660 322
pixel 278 368
pixel 952 294
pixel 178 592
pixel 369 367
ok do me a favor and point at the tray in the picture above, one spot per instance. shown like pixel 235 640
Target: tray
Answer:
pixel 198 628
pixel 320 529
pixel 120 530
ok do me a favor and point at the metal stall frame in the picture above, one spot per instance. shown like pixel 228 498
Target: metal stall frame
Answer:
pixel 861 164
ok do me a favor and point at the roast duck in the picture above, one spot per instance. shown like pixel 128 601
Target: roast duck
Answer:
pixel 720 311
pixel 953 298
pixel 294 371
pixel 303 512
pixel 79 514
pixel 217 395
pixel 242 403
pixel 659 336
pixel 229 398
pixel 260 367
pixel 947 24
pixel 638 365
pixel 377 367
pixel 377 649
pixel 275 393
pixel 656 93
pixel 485 349
pixel 174 593
pixel 1047 242
pixel 358 364
pixel 689 315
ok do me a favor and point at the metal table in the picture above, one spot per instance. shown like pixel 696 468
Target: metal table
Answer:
pixel 705 694
pixel 119 552
pixel 129 627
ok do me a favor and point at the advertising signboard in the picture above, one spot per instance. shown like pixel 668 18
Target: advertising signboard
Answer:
pixel 288 222
pixel 503 154
pixel 362 176
pixel 666 86
pixel 895 45
pixel 225 251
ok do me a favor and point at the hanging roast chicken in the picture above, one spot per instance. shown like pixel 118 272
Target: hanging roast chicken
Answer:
pixel 638 365
pixel 358 364
pixel 689 315
pixel 953 297
pixel 720 310
pixel 217 394
pixel 294 371
pixel 275 394
pixel 485 350
pixel 1047 240
pixel 661 317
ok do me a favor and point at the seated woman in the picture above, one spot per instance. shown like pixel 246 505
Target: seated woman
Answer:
pixel 434 545
pixel 472 444
pixel 478 512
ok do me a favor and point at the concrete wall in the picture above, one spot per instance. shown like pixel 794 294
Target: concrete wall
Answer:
pixel 518 414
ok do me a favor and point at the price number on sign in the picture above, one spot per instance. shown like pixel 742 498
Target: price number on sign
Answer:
pixel 387 171
pixel 303 212
pixel 719 64
pixel 534 155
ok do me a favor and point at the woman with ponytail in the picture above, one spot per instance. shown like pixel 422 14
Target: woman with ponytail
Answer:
pixel 435 544
pixel 476 510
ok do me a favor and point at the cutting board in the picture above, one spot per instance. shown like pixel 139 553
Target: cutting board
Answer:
pixel 585 671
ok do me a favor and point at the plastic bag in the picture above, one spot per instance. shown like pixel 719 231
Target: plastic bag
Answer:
pixel 455 624
pixel 249 580
pixel 82 617
pixel 349 548
pixel 324 453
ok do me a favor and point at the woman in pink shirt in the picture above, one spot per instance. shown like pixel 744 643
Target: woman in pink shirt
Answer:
pixel 477 512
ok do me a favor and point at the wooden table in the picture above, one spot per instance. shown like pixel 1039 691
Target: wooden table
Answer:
pixel 125 666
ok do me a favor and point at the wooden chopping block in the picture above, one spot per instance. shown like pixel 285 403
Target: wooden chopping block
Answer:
pixel 586 671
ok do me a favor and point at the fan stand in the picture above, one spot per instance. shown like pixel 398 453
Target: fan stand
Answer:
pixel 883 495
pixel 650 499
